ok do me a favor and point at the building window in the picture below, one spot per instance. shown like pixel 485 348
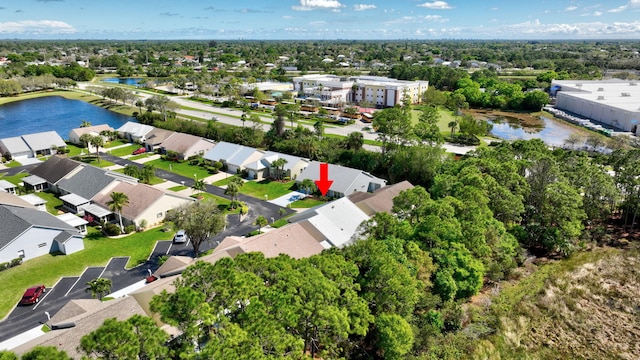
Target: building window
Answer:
pixel 21 254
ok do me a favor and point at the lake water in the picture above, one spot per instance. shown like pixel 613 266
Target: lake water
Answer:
pixel 53 113
pixel 126 81
pixel 551 132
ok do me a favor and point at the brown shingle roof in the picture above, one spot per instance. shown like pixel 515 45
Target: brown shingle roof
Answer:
pixel 180 142
pixel 380 200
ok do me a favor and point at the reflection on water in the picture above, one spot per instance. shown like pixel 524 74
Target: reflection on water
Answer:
pixel 551 132
pixel 126 81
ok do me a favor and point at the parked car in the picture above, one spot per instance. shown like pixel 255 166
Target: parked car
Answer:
pixel 32 295
pixel 181 237
pixel 139 151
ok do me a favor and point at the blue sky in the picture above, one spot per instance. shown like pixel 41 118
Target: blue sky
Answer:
pixel 319 19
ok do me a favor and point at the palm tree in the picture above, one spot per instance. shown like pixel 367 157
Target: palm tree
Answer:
pixel 117 202
pixel 452 125
pixel 355 140
pixel 199 185
pixel 97 141
pixel 318 126
pixel 232 190
pixel 147 173
pixel 261 221
pixel 86 140
pixel 308 185
pixel 99 287
pixel 85 123
pixel 131 170
pixel 278 164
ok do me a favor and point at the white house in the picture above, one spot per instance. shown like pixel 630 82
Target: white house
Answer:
pixel 345 180
pixel 31 145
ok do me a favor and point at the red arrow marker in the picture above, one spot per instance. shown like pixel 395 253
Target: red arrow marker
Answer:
pixel 324 183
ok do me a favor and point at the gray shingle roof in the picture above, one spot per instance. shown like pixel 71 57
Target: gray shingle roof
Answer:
pixel 345 179
pixel 87 182
pixel 55 168
pixel 15 220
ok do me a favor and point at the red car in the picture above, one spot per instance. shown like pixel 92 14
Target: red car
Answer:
pixel 139 151
pixel 32 295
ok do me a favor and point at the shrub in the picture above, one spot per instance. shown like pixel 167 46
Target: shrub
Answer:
pixel 129 229
pixel 279 223
pixel 15 262
pixel 4 266
pixel 143 225
pixel 162 259
pixel 112 229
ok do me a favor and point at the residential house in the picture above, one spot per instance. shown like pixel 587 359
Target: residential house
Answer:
pixel 380 200
pixel 35 200
pixel 75 134
pixel 135 132
pixel 34 183
pixel 14 200
pixel 77 222
pixel 8 187
pixel 345 180
pixel 53 170
pixel 235 157
pixel 263 168
pixel 87 181
pixel 186 145
pixel 31 145
pixel 147 204
pixel 155 138
pixel 28 233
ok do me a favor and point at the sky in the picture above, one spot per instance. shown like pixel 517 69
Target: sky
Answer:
pixel 320 19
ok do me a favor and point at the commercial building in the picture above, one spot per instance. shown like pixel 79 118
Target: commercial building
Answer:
pixel 611 102
pixel 333 90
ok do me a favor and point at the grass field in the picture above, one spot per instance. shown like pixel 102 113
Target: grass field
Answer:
pixel 306 203
pixel 273 189
pixel 446 116
pixel 98 250
pixel 53 203
pixel 126 150
pixel 181 168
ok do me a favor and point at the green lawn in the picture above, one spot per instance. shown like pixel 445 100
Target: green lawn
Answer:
pixel 75 150
pixel 141 156
pixel 181 168
pixel 225 181
pixel 273 189
pixel 306 203
pixel 92 160
pixel 177 188
pixel 115 143
pixel 53 203
pixel 126 150
pixel 154 181
pixel 98 250
pixel 223 203
pixel 12 164
pixel 446 116
pixel 14 179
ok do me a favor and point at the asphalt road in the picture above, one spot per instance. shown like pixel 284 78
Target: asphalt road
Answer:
pixel 24 318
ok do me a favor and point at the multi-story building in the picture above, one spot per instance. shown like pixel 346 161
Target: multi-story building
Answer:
pixel 333 90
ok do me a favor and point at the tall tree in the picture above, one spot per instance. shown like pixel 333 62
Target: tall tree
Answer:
pixel 200 220
pixel 97 141
pixel 261 221
pixel 118 201
pixel 44 353
pixel 394 128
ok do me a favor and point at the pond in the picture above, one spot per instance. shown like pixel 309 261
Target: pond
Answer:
pixel 126 81
pixel 53 113
pixel 553 133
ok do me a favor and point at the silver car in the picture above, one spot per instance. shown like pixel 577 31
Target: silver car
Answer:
pixel 181 237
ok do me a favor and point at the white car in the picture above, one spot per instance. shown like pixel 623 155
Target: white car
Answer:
pixel 181 237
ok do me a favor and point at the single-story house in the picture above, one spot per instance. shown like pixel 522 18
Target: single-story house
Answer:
pixel 35 183
pixel 155 138
pixel 75 134
pixel 35 200
pixel 186 145
pixel 8 187
pixel 28 233
pixel 234 156
pixel 134 132
pixel 14 200
pixel 345 180
pixel 31 145
pixel 74 203
pixel 77 222
pixel 146 203
pixel 54 169
pixel 263 168
pixel 380 200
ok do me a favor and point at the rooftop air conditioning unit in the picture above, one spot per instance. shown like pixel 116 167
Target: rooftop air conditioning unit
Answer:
pixel 578 85
pixel 625 94
pixel 632 84
pixel 600 97
pixel 600 89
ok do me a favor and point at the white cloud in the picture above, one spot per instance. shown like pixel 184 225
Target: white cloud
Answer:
pixel 436 18
pixel 436 5
pixel 317 23
pixel 362 7
pixel 597 13
pixel 36 27
pixel 571 8
pixel 494 9
pixel 287 17
pixel 628 5
pixel 306 5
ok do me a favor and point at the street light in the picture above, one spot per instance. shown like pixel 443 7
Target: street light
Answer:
pixel 266 197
